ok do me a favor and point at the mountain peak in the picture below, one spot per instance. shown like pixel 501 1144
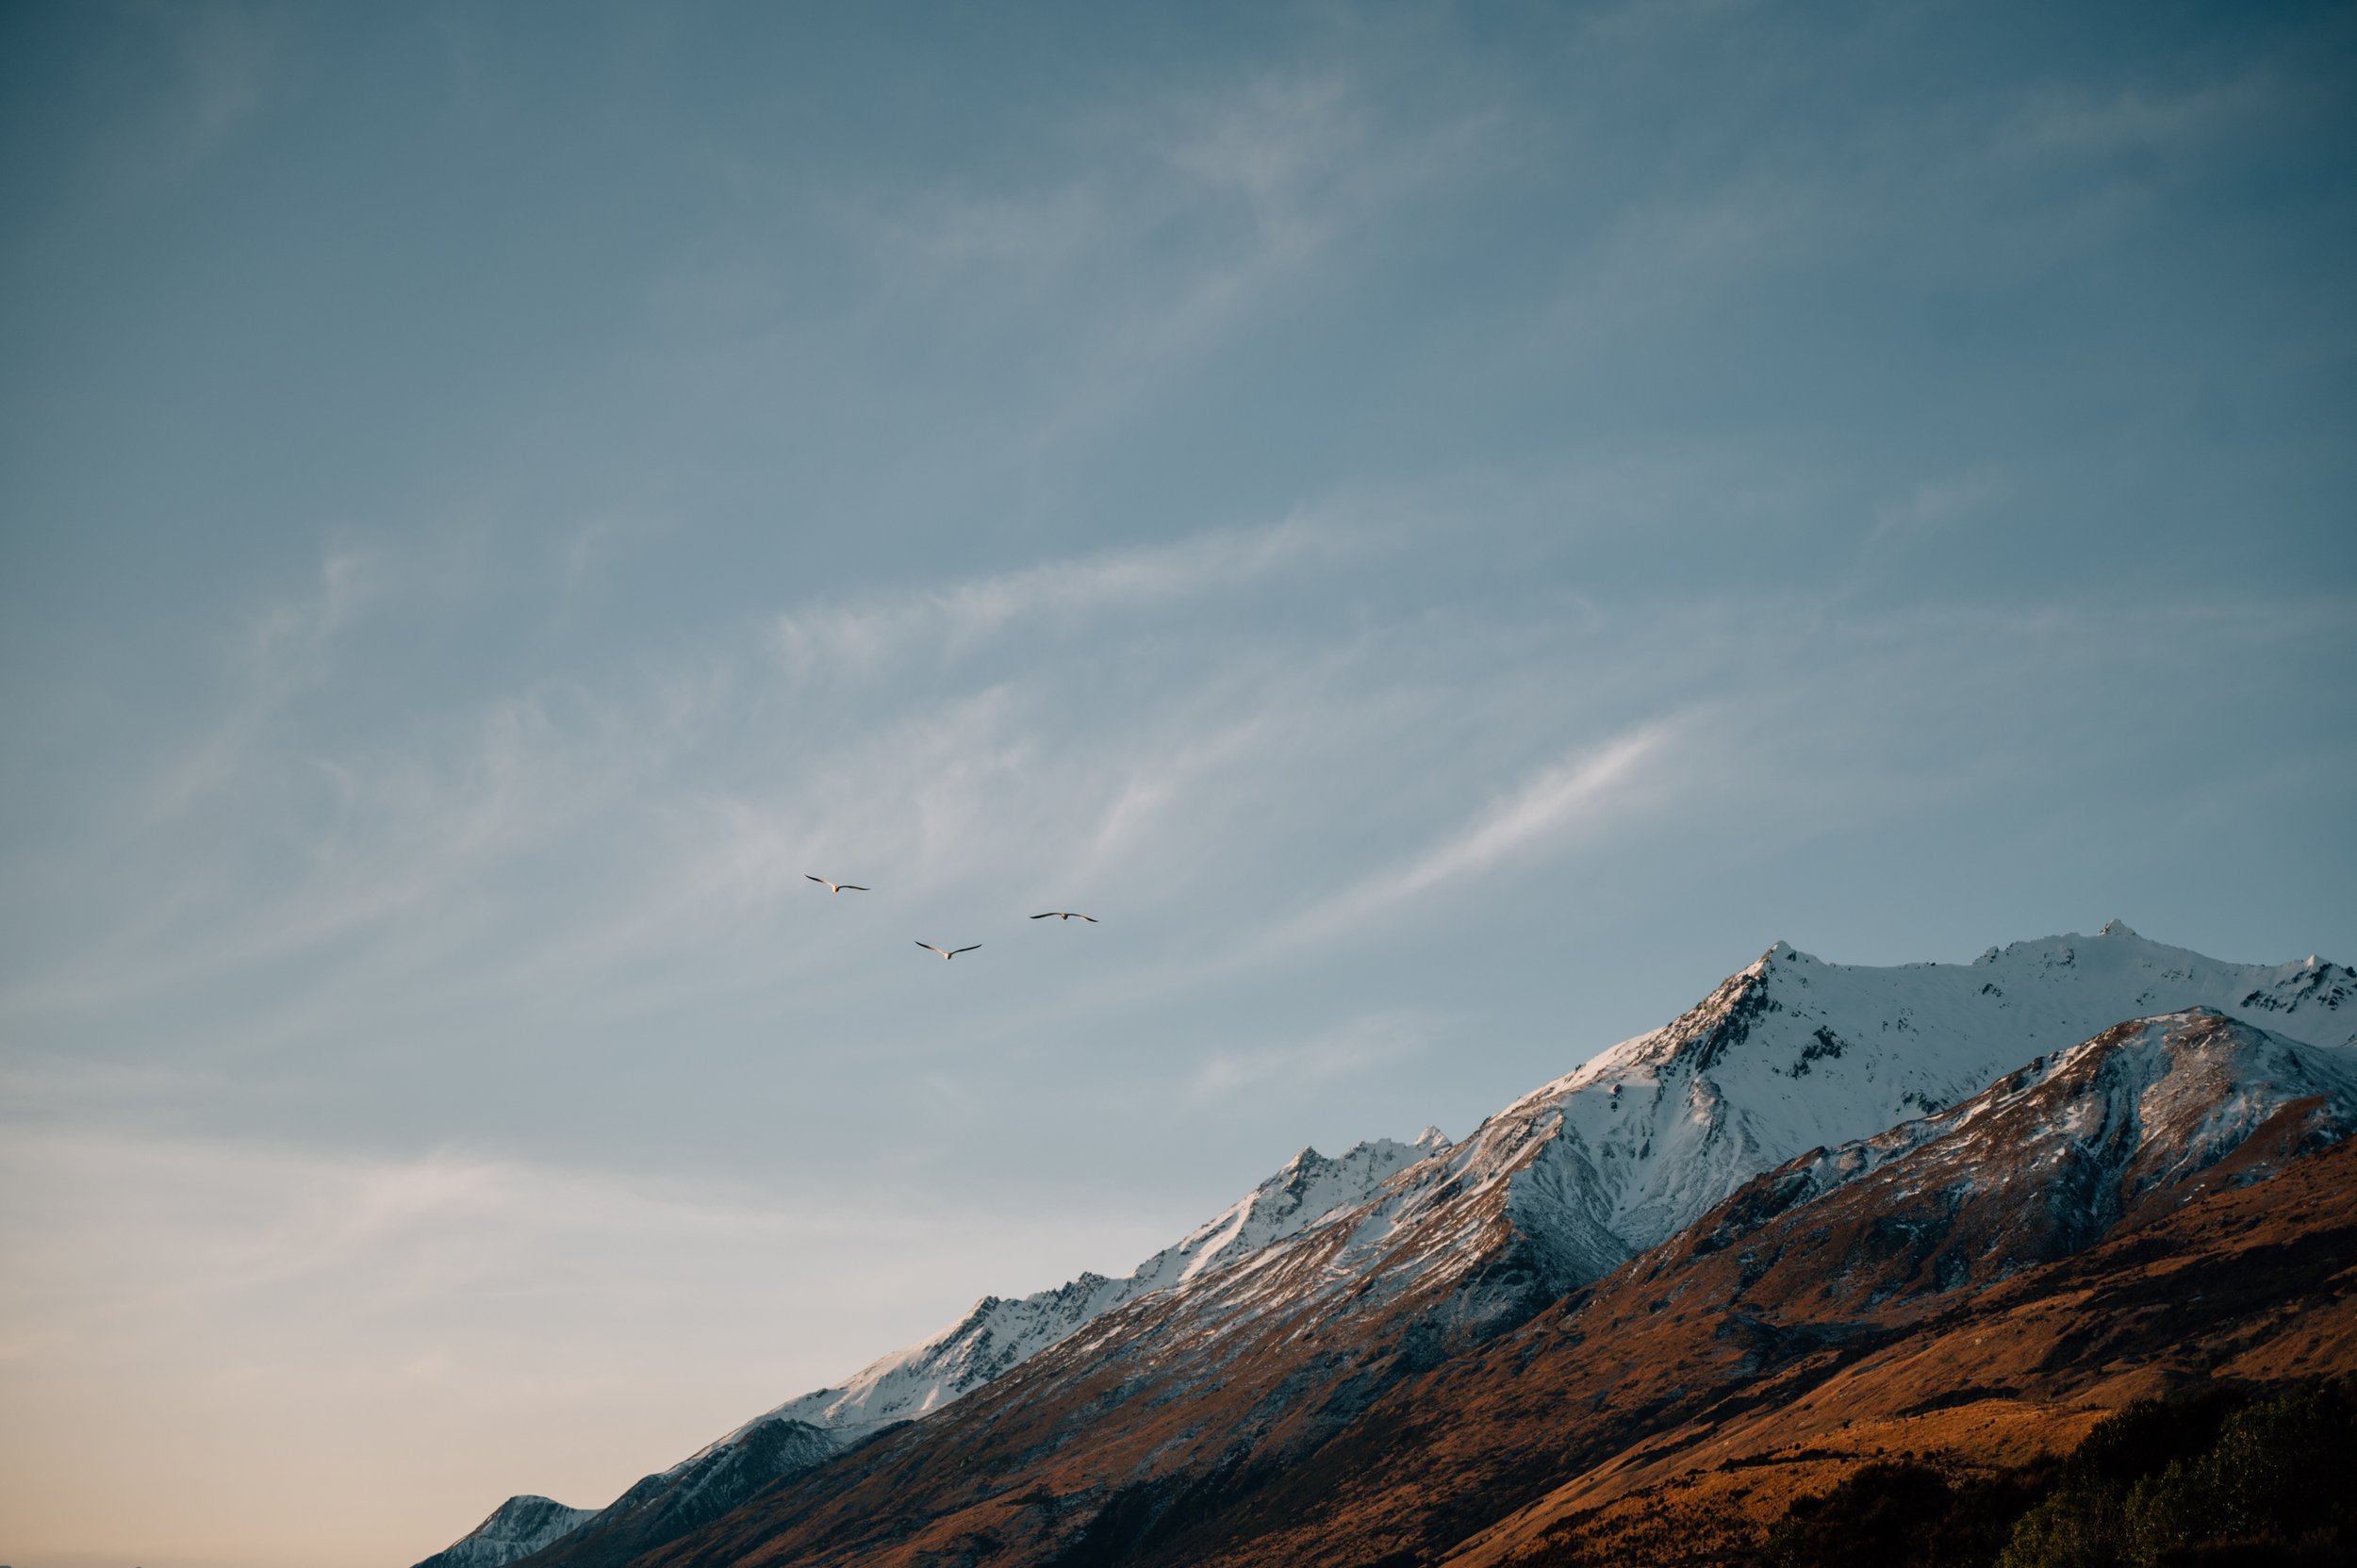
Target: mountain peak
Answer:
pixel 2116 928
pixel 517 1528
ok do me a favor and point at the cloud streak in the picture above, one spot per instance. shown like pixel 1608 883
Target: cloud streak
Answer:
pixel 1583 793
pixel 1357 1046
pixel 956 618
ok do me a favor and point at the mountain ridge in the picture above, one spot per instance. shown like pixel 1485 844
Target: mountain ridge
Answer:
pixel 1182 1430
pixel 1568 1181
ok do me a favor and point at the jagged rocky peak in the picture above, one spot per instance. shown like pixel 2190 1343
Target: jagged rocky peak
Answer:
pixel 2141 1117
pixel 517 1528
pixel 2051 990
pixel 1787 1054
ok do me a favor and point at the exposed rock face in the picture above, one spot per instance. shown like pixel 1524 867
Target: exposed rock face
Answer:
pixel 2053 1155
pixel 517 1528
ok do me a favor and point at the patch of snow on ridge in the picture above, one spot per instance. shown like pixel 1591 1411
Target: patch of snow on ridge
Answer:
pixel 1000 1333
pixel 2146 1104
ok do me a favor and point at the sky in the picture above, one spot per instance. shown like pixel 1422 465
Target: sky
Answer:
pixel 1448 529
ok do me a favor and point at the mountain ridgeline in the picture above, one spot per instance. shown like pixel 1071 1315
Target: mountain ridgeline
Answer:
pixel 1427 1352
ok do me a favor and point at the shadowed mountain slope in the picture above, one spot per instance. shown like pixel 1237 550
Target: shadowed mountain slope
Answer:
pixel 518 1528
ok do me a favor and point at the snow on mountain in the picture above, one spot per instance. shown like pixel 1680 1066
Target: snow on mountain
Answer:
pixel 663 1506
pixel 517 1528
pixel 998 1333
pixel 1793 1052
pixel 2150 1113
pixel 1787 1055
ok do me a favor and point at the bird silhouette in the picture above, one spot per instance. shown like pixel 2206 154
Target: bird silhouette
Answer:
pixel 950 953
pixel 838 886
pixel 1066 915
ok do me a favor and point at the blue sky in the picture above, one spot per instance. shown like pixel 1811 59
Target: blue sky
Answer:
pixel 1448 529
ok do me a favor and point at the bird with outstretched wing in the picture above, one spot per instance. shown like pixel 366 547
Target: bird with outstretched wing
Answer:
pixel 947 953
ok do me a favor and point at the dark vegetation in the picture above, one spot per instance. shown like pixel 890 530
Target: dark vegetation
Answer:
pixel 2207 1483
pixel 2223 1479
pixel 2220 1481
pixel 1899 1510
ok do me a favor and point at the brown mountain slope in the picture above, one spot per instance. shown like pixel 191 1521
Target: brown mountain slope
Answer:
pixel 2255 1283
pixel 1924 1297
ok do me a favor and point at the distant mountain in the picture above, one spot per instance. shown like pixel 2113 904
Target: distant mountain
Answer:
pixel 517 1527
pixel 1422 1250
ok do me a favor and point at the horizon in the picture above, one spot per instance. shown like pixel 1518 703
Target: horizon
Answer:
pixel 1446 533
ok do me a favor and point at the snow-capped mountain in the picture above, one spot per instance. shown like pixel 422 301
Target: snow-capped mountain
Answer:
pixel 1788 1055
pixel 1316 1400
pixel 1793 1052
pixel 518 1528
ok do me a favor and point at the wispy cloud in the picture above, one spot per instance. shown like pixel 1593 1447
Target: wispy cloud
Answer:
pixel 1580 791
pixel 1357 1046
pixel 1585 791
pixel 1212 204
pixel 1935 504
pixel 2078 123
pixel 712 787
pixel 1278 145
pixel 229 54
pixel 954 619
pixel 285 649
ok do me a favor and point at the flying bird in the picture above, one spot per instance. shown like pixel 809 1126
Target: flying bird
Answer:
pixel 838 886
pixel 950 953
pixel 1066 915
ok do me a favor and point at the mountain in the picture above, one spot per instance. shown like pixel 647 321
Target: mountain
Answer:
pixel 517 1527
pixel 998 1334
pixel 1429 1248
pixel 1249 1419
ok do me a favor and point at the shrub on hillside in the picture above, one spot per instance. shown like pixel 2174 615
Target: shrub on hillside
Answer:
pixel 2268 1487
